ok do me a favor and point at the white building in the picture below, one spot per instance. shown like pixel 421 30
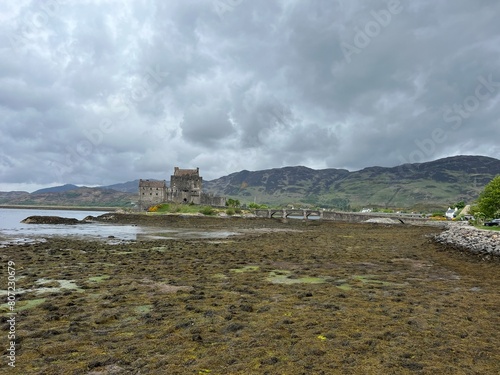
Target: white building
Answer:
pixel 451 213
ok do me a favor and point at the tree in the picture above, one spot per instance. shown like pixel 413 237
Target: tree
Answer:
pixel 489 200
pixel 232 202
pixel 256 206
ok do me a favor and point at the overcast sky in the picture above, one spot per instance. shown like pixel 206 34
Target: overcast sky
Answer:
pixel 100 92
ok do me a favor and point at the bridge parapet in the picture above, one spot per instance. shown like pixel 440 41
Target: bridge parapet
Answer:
pixel 352 217
pixel 284 213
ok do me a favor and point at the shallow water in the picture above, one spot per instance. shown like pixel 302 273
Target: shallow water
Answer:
pixel 12 230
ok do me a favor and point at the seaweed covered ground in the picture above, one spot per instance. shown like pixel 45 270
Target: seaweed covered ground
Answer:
pixel 283 297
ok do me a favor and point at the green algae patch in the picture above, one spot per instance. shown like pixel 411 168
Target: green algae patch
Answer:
pixel 143 309
pixel 371 280
pixel 99 279
pixel 219 276
pixel 345 287
pixel 342 284
pixel 56 286
pixel 245 269
pixel 23 305
pixel 26 305
pixel 48 286
pixel 286 277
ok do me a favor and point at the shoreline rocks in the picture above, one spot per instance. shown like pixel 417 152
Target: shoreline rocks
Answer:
pixel 463 236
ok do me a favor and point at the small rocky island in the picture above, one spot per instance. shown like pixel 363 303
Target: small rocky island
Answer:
pixel 52 220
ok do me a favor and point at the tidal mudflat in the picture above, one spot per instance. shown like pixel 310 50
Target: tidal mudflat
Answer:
pixel 279 298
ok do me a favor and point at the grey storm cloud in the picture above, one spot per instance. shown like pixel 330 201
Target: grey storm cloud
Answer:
pixel 99 92
pixel 206 124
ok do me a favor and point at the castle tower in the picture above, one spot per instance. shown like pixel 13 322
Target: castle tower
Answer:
pixel 186 185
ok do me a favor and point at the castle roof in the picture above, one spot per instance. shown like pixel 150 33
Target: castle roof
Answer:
pixel 186 172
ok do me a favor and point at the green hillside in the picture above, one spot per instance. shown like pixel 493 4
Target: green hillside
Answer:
pixel 426 186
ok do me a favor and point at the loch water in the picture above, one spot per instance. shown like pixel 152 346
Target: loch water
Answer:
pixel 12 230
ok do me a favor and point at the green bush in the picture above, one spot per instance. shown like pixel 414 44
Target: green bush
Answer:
pixel 233 202
pixel 164 207
pixel 230 211
pixel 257 206
pixel 479 218
pixel 207 211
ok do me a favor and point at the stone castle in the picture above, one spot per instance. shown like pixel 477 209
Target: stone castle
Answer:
pixel 185 187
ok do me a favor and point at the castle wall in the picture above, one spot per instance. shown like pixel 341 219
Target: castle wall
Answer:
pixel 212 200
pixel 151 193
pixel 179 196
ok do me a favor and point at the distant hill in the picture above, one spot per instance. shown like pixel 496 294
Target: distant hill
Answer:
pixel 81 196
pixel 56 189
pixel 126 187
pixel 423 186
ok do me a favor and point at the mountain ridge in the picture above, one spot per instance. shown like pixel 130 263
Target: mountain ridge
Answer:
pixel 427 185
pixel 419 186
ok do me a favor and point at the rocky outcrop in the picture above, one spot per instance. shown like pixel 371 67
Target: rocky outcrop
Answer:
pixel 466 237
pixel 51 220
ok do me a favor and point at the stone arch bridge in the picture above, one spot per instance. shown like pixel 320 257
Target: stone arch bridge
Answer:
pixel 284 213
pixel 352 217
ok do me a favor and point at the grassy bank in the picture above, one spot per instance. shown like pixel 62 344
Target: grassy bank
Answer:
pixel 496 228
pixel 175 208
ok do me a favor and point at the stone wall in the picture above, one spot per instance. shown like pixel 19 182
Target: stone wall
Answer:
pixel 462 236
pixel 179 196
